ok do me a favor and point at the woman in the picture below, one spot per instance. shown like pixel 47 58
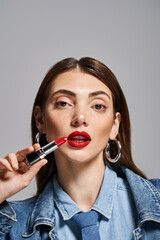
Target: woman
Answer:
pixel 88 180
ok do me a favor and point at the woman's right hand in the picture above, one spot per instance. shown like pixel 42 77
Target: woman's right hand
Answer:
pixel 15 174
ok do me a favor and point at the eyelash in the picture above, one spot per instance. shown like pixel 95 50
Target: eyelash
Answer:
pixel 102 107
pixel 60 104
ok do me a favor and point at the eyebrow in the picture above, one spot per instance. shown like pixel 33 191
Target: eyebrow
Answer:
pixel 64 91
pixel 96 93
pixel 70 93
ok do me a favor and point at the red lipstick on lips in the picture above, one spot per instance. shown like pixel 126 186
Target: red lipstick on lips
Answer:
pixel 79 139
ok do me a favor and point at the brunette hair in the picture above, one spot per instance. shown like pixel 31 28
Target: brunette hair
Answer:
pixel 104 74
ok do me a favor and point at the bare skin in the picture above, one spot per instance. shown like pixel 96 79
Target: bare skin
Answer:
pixel 15 174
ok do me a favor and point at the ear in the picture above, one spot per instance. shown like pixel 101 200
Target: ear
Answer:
pixel 115 126
pixel 39 119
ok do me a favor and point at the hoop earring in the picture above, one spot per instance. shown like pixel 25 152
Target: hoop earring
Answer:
pixel 110 151
pixel 37 137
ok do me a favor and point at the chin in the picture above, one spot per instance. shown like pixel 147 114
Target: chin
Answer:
pixel 79 157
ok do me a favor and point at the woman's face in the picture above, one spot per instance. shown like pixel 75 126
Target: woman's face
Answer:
pixel 79 102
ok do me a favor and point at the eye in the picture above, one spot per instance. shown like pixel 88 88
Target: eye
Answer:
pixel 61 104
pixel 99 107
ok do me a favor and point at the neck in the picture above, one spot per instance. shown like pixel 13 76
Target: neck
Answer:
pixel 81 181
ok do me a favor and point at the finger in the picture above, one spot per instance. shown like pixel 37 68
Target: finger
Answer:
pixel 23 167
pixel 36 146
pixel 24 152
pixel 21 154
pixel 12 159
pixel 5 165
pixel 33 170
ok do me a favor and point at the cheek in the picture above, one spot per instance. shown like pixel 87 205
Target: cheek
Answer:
pixel 104 128
pixel 55 123
pixel 104 132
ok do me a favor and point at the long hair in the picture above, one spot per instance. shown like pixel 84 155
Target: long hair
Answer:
pixel 104 74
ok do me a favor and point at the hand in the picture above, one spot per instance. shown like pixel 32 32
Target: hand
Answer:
pixel 15 174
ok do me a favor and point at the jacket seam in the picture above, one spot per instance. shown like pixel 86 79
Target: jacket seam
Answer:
pixel 154 189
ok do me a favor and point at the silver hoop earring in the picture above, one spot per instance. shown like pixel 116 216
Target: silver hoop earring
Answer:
pixel 112 147
pixel 37 137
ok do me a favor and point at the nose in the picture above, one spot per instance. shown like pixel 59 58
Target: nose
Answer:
pixel 79 117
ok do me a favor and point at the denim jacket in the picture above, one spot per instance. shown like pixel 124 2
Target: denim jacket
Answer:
pixel 34 218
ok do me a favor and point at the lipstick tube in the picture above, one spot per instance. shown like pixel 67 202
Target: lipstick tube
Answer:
pixel 43 152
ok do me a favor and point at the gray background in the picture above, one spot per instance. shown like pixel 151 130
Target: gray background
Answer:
pixel 123 34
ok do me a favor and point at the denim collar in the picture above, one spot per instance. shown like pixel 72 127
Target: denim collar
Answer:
pixel 145 195
pixel 43 211
pixel 68 207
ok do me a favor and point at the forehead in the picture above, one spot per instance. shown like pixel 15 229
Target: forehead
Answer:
pixel 78 81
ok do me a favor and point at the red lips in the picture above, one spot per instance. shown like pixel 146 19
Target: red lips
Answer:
pixel 79 139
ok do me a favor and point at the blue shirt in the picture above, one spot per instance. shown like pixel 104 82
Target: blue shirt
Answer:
pixel 114 203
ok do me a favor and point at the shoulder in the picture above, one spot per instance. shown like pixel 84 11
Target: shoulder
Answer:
pixel 23 206
pixel 27 201
pixel 136 182
pixel 14 215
